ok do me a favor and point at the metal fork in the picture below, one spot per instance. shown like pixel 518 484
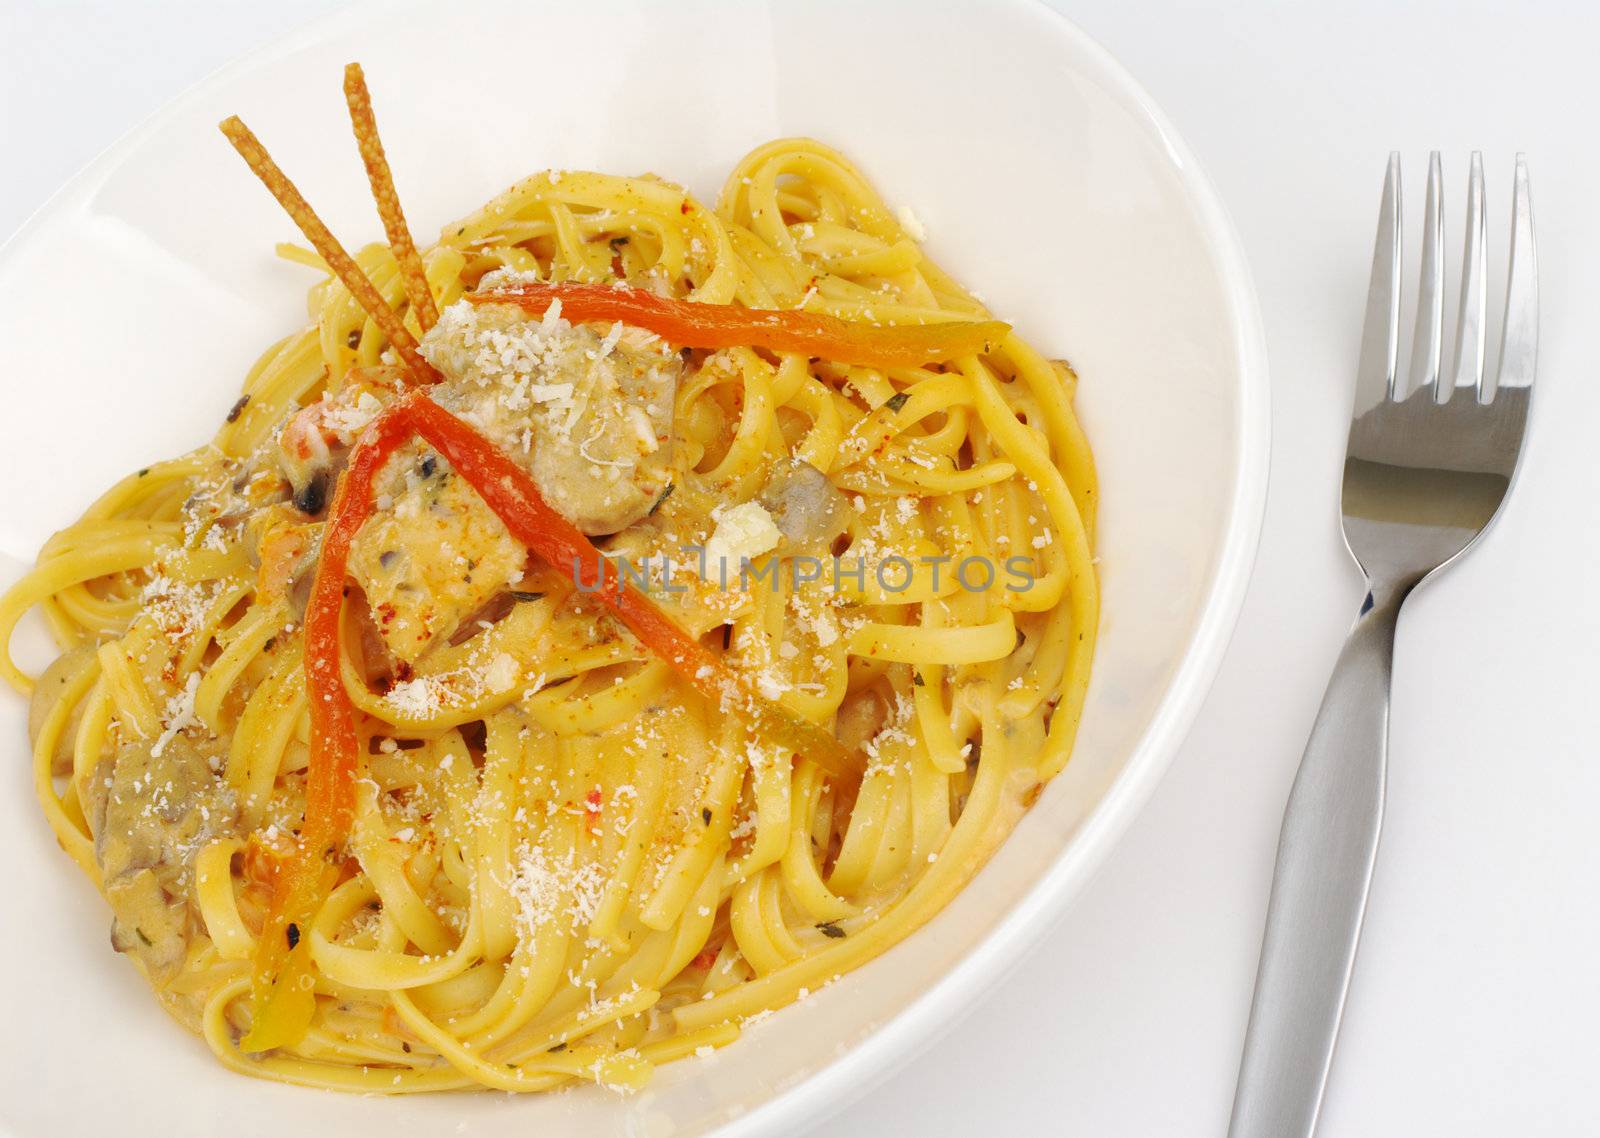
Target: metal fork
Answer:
pixel 1427 467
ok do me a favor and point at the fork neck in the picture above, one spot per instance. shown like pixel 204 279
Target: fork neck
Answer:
pixel 1383 600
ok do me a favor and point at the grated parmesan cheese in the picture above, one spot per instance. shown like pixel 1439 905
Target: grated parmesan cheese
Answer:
pixel 177 608
pixel 502 674
pixel 546 888
pixel 420 697
pixel 744 532
pixel 179 714
pixel 351 421
pixel 911 223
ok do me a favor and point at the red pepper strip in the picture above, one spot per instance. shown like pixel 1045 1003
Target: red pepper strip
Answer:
pixel 690 324
pixel 282 1000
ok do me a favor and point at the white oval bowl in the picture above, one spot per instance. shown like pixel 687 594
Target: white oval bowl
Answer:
pixel 133 303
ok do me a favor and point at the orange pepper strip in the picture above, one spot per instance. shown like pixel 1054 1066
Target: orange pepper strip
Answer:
pixel 690 324
pixel 283 1000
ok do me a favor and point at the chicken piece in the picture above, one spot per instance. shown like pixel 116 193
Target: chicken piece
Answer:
pixel 432 558
pixel 151 813
pixel 588 414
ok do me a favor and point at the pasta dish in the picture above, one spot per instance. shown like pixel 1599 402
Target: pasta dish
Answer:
pixel 590 633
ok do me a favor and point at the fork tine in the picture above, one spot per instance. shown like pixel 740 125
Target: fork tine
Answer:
pixel 1426 345
pixel 1519 344
pixel 1468 374
pixel 1380 334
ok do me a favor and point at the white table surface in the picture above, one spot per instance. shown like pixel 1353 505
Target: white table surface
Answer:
pixel 1477 995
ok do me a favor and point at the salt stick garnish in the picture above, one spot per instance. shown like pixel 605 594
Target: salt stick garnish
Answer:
pixel 327 246
pixel 387 198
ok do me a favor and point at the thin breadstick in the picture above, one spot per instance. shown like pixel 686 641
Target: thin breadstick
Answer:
pixel 326 244
pixel 365 126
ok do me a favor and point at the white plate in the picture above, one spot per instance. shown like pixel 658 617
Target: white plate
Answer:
pixel 131 306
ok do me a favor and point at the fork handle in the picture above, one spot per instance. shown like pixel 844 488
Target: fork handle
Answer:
pixel 1319 890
